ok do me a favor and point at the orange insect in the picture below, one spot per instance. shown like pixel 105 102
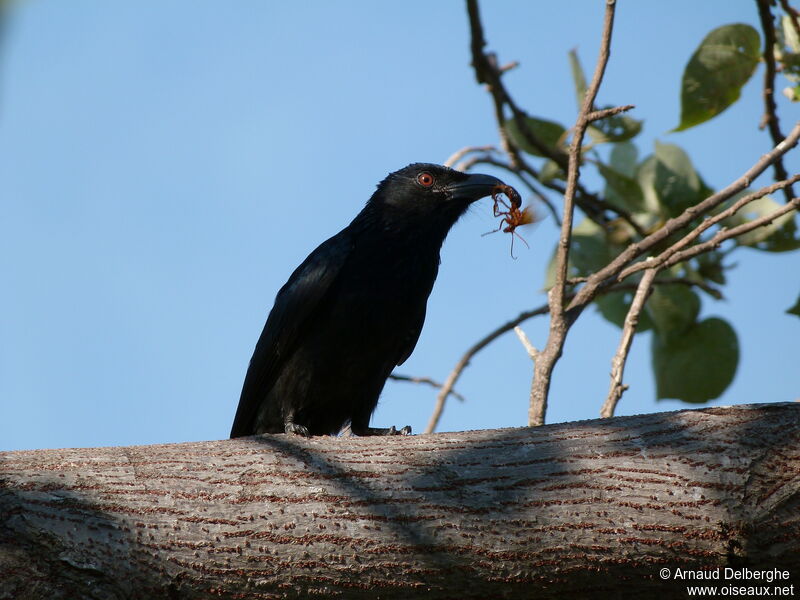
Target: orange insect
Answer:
pixel 513 217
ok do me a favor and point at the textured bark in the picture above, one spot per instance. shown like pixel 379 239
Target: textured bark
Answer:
pixel 589 509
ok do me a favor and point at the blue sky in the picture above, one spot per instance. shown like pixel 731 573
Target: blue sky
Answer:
pixel 164 166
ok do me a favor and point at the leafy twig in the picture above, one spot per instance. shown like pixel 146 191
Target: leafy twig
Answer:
pixel 609 274
pixel 487 72
pixel 726 234
pixel 706 224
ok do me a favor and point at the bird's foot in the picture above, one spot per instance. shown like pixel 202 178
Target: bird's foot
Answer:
pixel 382 431
pixel 296 429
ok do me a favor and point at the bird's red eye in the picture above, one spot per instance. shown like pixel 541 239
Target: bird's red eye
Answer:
pixel 425 179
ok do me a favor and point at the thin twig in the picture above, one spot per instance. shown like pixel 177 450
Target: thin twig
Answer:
pixel 462 363
pixel 426 381
pixel 457 156
pixel 727 234
pixel 560 321
pixel 467 357
pixel 629 328
pixel 707 223
pixel 770 118
pixel 598 115
pixel 526 343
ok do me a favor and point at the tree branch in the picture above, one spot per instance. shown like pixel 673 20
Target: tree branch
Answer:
pixel 726 234
pixel 458 155
pixel 488 72
pixel 590 510
pixel 609 274
pixel 462 363
pixel 706 224
pixel 466 358
pixel 426 381
pixel 560 322
pixel 628 330
pixel 770 118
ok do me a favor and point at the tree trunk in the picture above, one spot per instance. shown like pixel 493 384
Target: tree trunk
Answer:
pixel 593 509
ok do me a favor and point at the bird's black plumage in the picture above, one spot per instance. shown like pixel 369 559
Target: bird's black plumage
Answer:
pixel 354 308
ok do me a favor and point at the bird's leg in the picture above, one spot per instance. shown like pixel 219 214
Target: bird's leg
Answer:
pixel 289 426
pixel 363 431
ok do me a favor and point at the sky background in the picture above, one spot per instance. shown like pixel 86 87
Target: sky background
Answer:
pixel 164 167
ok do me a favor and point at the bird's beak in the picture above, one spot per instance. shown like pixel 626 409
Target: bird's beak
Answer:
pixel 474 188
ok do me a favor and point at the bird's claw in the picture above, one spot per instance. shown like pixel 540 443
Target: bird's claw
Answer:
pixel 296 429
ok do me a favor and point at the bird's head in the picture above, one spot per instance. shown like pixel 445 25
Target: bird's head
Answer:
pixel 431 193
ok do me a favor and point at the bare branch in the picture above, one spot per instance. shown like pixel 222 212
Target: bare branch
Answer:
pixel 726 234
pixel 526 343
pixel 426 381
pixel 706 224
pixel 462 363
pixel 457 156
pixel 618 362
pixel 560 322
pixel 467 357
pixel 770 118
pixel 598 115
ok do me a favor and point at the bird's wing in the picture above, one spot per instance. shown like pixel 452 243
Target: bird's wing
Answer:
pixel 295 304
pixel 411 337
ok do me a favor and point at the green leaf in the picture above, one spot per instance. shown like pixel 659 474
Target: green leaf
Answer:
pixel 623 158
pixel 612 129
pixel 617 128
pixel 646 178
pixel 698 365
pixel 614 307
pixel 790 37
pixel 550 272
pixel 550 133
pixel 578 77
pixel 621 191
pixel 760 238
pixel 675 182
pixel 710 267
pixel 795 310
pixel 784 239
pixel 714 76
pixel 792 93
pixel 673 309
pixel 590 249
pixel 550 170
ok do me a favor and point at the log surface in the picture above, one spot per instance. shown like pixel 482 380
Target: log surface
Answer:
pixel 589 509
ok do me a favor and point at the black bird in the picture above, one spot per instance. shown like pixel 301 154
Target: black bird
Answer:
pixel 354 309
